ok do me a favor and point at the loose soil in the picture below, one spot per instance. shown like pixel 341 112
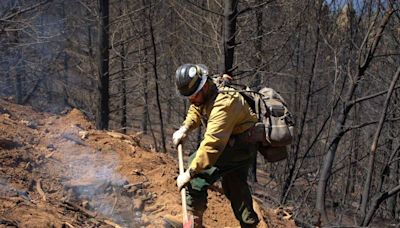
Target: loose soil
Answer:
pixel 58 171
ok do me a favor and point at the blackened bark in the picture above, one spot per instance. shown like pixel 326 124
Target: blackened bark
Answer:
pixel 376 202
pixel 123 91
pixel 145 113
pixel 17 76
pixel 364 63
pixel 368 182
pixel 292 166
pixel 123 80
pixel 18 87
pixel 164 147
pixel 230 16
pixel 103 109
pixel 258 45
pixel 65 78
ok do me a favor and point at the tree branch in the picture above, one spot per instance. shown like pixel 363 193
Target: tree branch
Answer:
pixel 370 96
pixel 254 7
pixel 9 17
pixel 374 145
pixel 367 124
pixel 378 199
pixel 202 8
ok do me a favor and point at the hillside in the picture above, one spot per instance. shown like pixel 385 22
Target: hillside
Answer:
pixel 58 171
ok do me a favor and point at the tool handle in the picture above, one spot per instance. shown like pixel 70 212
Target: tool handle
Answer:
pixel 183 191
pixel 180 157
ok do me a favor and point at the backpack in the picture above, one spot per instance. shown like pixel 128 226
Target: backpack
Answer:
pixel 275 127
pixel 278 123
pixel 272 110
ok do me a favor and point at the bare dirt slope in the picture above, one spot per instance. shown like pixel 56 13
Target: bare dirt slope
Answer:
pixel 57 171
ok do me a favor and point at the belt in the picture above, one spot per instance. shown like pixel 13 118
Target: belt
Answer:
pixel 255 134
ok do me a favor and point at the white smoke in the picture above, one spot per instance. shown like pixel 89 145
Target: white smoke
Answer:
pixel 96 184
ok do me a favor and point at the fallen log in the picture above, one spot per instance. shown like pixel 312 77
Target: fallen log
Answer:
pixel 69 225
pixel 90 214
pixel 80 209
pixel 40 190
pixel 137 184
pixel 49 155
pixel 111 223
pixel 76 140
pixel 155 210
pixel 8 222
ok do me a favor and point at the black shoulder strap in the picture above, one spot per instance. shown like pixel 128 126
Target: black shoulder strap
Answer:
pixel 250 101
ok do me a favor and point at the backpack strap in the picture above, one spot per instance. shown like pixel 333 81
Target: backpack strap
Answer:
pixel 249 99
pixel 257 101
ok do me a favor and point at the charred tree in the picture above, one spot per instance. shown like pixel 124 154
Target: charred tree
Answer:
pixel 156 84
pixel 145 113
pixel 230 17
pixel 103 109
pixel 363 64
pixel 122 59
pixel 18 86
pixel 376 202
pixel 368 182
pixel 256 84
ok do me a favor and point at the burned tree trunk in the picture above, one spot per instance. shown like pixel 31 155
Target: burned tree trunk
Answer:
pixel 103 109
pixel 17 76
pixel 376 202
pixel 367 186
pixel 258 46
pixel 157 90
pixel 18 87
pixel 122 60
pixel 394 175
pixel 230 15
pixel 363 64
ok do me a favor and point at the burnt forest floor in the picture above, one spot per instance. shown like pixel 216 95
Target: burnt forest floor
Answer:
pixel 58 171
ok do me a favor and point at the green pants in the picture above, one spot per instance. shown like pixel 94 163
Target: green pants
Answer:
pixel 232 166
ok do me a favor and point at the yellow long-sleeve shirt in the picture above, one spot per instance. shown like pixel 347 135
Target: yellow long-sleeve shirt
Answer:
pixel 229 114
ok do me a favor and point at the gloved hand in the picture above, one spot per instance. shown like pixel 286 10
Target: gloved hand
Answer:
pixel 179 136
pixel 183 179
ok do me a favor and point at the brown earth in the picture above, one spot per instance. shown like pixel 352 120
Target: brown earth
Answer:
pixel 57 171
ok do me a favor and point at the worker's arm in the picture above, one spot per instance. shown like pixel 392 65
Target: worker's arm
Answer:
pixel 192 121
pixel 220 124
pixel 193 118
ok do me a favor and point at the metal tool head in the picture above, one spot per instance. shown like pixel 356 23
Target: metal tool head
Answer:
pixel 189 223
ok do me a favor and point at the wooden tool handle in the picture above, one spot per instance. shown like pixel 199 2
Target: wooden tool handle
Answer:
pixel 183 191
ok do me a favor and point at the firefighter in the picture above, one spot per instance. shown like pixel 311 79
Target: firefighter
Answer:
pixel 222 154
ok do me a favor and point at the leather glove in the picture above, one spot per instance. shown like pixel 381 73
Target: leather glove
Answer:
pixel 184 179
pixel 179 136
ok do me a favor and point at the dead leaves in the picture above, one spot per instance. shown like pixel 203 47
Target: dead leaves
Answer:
pixel 284 213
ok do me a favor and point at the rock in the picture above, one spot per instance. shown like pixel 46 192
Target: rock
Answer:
pixel 32 124
pixel 51 147
pixel 138 204
pixel 65 111
pixel 83 134
pixel 9 144
pixel 145 220
pixel 5 112
pixel 28 167
pixel 7 116
pixel 85 204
